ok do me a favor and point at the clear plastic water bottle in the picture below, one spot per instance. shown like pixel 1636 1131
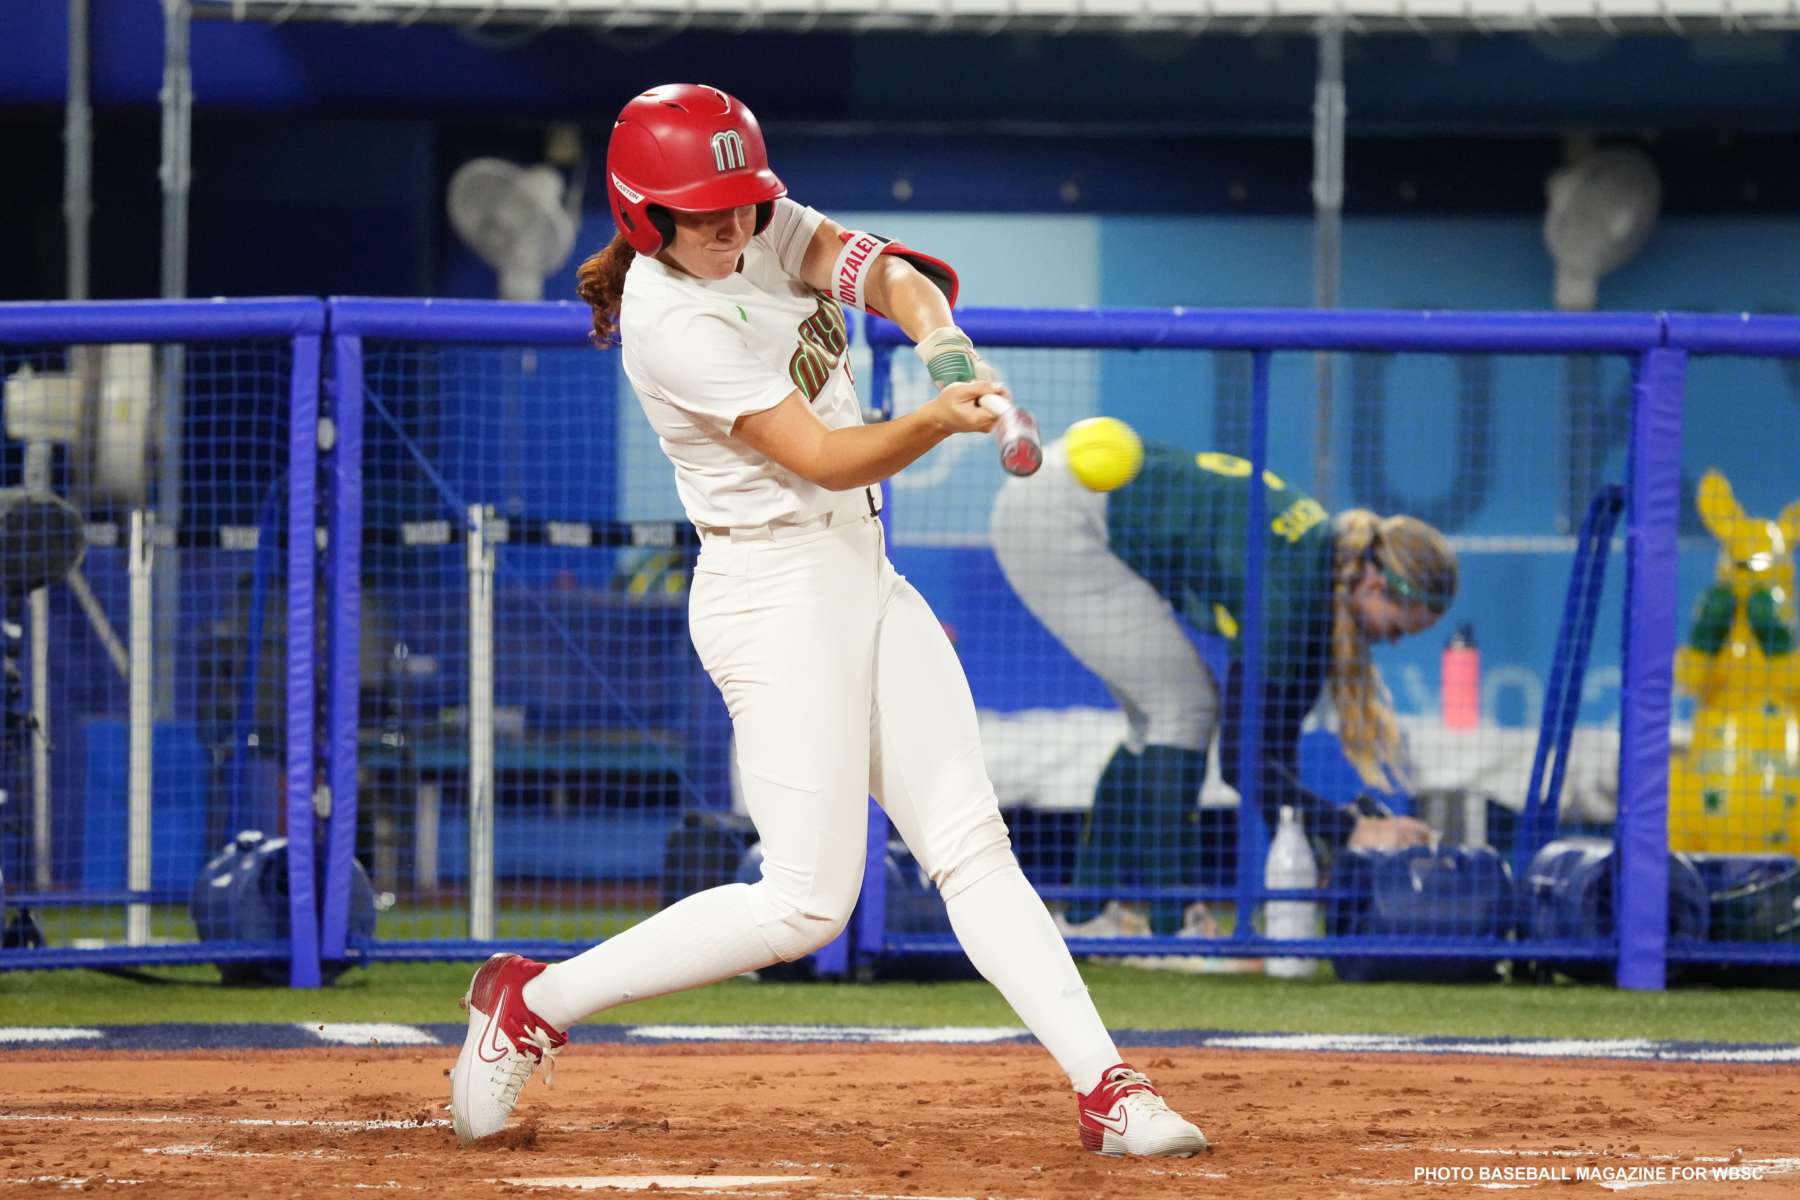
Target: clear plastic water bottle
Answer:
pixel 1290 865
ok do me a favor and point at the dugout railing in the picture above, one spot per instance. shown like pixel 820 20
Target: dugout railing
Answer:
pixel 510 737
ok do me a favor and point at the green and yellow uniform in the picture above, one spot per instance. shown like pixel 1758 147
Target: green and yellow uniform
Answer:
pixel 1182 525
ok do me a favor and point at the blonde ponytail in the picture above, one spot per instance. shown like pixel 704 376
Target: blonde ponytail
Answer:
pixel 1421 556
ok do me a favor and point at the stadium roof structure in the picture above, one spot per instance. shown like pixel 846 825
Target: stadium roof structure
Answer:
pixel 1190 17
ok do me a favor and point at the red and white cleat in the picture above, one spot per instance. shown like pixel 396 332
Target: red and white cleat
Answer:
pixel 506 1042
pixel 1124 1114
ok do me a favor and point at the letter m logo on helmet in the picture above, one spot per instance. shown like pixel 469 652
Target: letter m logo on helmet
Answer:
pixel 728 150
pixel 685 147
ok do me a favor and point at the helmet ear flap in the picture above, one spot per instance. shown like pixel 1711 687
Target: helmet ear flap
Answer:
pixel 765 212
pixel 662 222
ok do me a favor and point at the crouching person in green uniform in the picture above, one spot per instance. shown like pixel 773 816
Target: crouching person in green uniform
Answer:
pixel 1112 575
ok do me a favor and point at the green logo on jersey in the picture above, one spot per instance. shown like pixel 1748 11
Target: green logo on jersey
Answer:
pixel 823 339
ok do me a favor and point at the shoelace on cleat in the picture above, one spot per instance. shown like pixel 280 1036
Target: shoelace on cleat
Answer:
pixel 1148 1105
pixel 523 1062
pixel 547 1051
pixel 1142 1101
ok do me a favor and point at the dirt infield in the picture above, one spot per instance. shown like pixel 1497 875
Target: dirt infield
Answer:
pixel 868 1122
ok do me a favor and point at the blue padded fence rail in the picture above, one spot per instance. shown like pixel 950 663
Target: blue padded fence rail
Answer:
pixel 1347 947
pixel 302 676
pixel 1734 333
pixel 194 954
pixel 1651 561
pixel 160 320
pixel 1408 331
pixel 468 322
pixel 1252 837
pixel 1197 329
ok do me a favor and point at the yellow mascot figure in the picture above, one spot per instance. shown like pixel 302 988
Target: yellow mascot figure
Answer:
pixel 1737 787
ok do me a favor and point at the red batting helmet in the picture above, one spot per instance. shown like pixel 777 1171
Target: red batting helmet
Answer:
pixel 690 148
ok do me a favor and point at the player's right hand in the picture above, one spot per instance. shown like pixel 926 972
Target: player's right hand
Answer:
pixel 1388 833
pixel 956 408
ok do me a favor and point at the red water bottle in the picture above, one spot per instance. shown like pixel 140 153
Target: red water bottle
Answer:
pixel 1460 680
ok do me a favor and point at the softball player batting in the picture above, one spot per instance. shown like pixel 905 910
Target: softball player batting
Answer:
pixel 728 301
pixel 1107 574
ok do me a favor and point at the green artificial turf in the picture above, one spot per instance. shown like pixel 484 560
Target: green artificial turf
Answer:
pixel 1127 997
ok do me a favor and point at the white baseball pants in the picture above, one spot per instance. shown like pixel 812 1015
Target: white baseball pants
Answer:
pixel 841 684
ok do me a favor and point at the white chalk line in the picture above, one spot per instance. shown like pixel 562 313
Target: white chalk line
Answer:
pixel 882 1034
pixel 709 1184
pixel 68 1181
pixel 208 1150
pixel 50 1033
pixel 365 1033
pixel 248 1122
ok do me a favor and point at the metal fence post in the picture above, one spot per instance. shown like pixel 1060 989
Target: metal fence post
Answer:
pixel 140 739
pixel 481 726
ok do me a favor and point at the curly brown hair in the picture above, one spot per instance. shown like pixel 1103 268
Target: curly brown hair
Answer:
pixel 600 281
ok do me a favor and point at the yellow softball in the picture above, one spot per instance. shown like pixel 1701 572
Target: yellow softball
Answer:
pixel 1104 453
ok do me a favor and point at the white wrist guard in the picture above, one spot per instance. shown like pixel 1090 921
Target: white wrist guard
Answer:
pixel 950 357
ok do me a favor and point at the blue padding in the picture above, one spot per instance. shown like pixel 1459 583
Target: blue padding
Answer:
pixel 180 787
pixel 1737 333
pixel 343 604
pixel 534 845
pixel 159 320
pixel 302 677
pixel 1272 329
pixel 558 323
pixel 1652 567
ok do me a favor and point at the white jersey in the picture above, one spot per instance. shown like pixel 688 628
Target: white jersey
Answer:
pixel 702 353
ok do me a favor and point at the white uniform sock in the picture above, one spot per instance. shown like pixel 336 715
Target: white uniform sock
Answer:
pixel 704 938
pixel 1007 933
